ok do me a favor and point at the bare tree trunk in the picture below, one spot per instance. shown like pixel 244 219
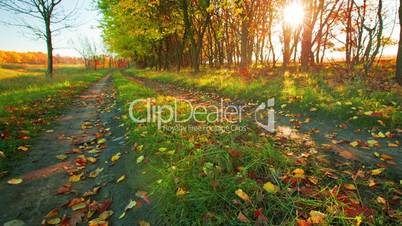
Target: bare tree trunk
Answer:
pixel 49 45
pixel 399 58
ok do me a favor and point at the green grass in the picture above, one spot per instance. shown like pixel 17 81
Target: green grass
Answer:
pixel 351 101
pixel 210 166
pixel 29 102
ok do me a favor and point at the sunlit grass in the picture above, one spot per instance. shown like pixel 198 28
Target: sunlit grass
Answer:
pixel 349 100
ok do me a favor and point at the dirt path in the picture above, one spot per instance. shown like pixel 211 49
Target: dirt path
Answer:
pixel 326 135
pixel 87 136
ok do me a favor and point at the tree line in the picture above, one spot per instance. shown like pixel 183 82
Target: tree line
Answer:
pixel 12 57
pixel 165 34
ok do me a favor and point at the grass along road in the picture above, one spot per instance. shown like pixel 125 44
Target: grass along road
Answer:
pixel 237 177
pixel 29 102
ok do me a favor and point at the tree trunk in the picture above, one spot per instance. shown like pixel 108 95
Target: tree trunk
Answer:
pixel 244 45
pixel 49 45
pixel 307 39
pixel 399 58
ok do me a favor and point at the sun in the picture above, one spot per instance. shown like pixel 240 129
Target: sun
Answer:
pixel 293 14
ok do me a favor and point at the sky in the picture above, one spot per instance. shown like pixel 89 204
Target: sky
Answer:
pixel 87 19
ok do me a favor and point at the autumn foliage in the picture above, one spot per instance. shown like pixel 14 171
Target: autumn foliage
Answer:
pixel 12 57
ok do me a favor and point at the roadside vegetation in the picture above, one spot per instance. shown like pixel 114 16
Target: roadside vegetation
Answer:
pixel 325 94
pixel 213 177
pixel 30 101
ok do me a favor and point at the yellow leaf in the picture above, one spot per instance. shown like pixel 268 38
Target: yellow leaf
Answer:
pixel 91 160
pixel 381 135
pixel 2 155
pixel 381 200
pixel 116 157
pixel 144 223
pixel 371 183
pixel 162 149
pixel 102 141
pixel 350 187
pixel 376 172
pixel 15 181
pixel 53 221
pixel 181 191
pixel 95 173
pixel 299 173
pixel 61 157
pixel 372 143
pixel 354 143
pixel 106 214
pixel 313 109
pixel 313 180
pixel 23 148
pixel 75 178
pixel 139 148
pixel 368 113
pixel 270 187
pixel 121 179
pixel 242 195
pixel 317 217
pixel 79 206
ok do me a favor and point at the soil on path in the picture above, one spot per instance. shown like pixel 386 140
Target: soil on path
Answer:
pixel 87 136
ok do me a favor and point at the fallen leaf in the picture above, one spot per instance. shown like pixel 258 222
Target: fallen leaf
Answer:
pixel 143 195
pixel 376 172
pixel 122 178
pixel 75 178
pixel 144 223
pixel 91 160
pixel 350 187
pixel 79 206
pixel 354 143
pixel 386 157
pixel 299 173
pixel 313 179
pixel 61 157
pixel 53 221
pixel 106 214
pixel 241 217
pixel 301 222
pixel 140 159
pixel 2 155
pixel 393 145
pixel 64 189
pixel 270 188
pixel 23 148
pixel 116 157
pixel 242 195
pixel 381 200
pixel 130 205
pixel 102 141
pixel 371 183
pixel 372 143
pixel 181 192
pixel 316 217
pixel 15 181
pixel 95 173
